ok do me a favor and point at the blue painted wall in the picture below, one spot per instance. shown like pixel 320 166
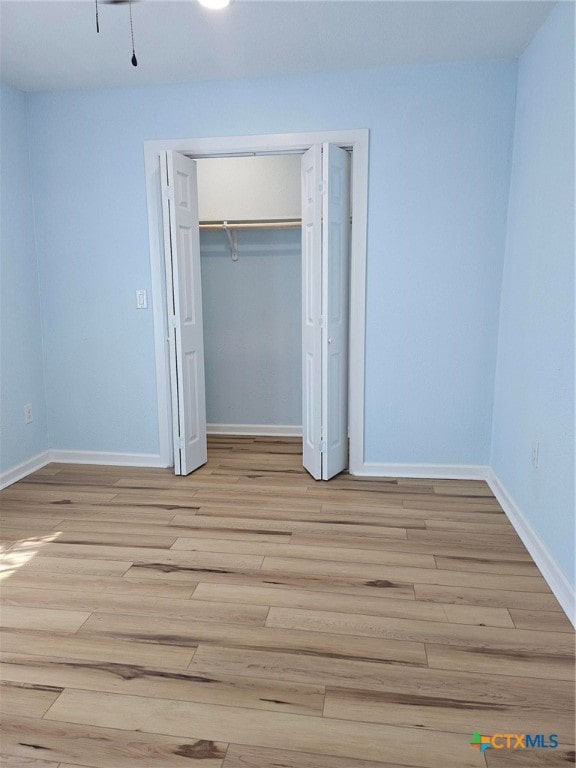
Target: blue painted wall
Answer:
pixel 21 357
pixel 440 163
pixel 440 145
pixel 253 327
pixel 534 391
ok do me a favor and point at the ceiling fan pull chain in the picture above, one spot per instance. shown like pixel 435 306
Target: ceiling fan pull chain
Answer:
pixel 134 60
pixel 97 21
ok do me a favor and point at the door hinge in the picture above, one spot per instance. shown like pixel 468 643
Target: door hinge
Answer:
pixel 322 446
pixel 181 443
pixel 173 322
pixel 321 321
pixel 169 192
pixel 323 188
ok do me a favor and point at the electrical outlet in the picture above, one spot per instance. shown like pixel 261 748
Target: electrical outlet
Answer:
pixel 535 453
pixel 28 413
pixel 141 299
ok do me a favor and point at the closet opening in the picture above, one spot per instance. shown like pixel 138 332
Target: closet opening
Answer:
pixel 249 211
pixel 232 345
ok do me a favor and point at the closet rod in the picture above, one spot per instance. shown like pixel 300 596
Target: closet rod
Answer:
pixel 270 224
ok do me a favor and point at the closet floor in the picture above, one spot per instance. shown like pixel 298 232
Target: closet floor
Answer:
pixel 247 616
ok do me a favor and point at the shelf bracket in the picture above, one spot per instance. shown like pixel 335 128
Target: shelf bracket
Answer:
pixel 232 236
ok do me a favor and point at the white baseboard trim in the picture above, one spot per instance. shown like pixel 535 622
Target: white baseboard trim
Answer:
pixel 24 469
pixel 557 581
pixel 103 457
pixel 273 430
pixel 433 471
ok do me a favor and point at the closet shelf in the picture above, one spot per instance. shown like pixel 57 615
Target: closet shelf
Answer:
pixel 267 224
pixel 230 228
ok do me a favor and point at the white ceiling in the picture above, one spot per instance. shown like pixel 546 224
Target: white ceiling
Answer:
pixel 52 44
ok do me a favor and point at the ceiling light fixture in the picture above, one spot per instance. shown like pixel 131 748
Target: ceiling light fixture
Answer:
pixel 214 5
pixel 134 60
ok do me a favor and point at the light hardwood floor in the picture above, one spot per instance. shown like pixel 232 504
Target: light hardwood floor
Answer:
pixel 247 616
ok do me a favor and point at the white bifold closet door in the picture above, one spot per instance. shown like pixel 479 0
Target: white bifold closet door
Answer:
pixel 184 299
pixel 325 309
pixel 312 311
pixel 325 292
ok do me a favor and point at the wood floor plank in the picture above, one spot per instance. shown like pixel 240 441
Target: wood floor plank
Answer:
pixel 101 585
pixel 407 574
pixel 497 529
pixel 105 512
pixel 10 761
pixel 100 648
pixel 376 518
pixel 448 549
pixel 489 516
pixel 318 735
pixel 476 596
pixel 390 486
pixel 431 711
pixel 135 680
pixel 156 541
pixel 470 504
pixel 76 565
pixel 49 469
pixel 217 494
pixel 46 493
pixel 371 606
pixel 97 469
pixel 15 559
pixel 106 747
pixel 285 526
pixel 531 758
pixel 22 548
pixel 274 549
pixel 484 616
pixel 498 639
pixel 462 488
pixel 15 599
pixel 28 522
pixel 268 578
pixel 514 661
pixel 487 691
pixel 68 765
pixel 32 699
pixel 93 552
pixel 224 462
pixel 183 633
pixel 113 526
pixel 425 506
pixel 546 621
pixel 364 499
pixel 107 477
pixel 239 756
pixel 71 503
pixel 489 542
pixel 34 617
pixel 21 541
pixel 487 564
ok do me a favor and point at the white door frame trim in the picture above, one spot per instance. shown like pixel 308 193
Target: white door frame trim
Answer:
pixel 357 141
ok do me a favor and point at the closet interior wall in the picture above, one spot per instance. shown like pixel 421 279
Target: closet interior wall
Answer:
pixel 251 308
